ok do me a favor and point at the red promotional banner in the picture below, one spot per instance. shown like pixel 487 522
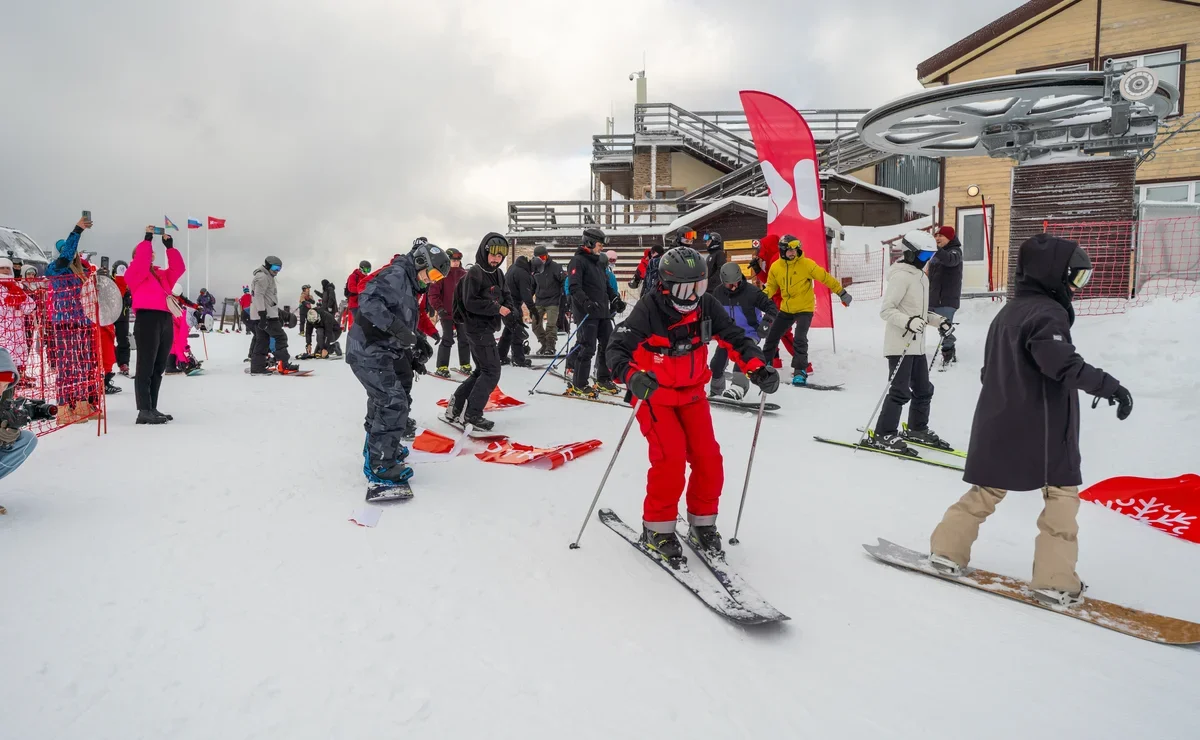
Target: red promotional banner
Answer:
pixel 497 401
pixel 1168 504
pixel 515 453
pixel 787 154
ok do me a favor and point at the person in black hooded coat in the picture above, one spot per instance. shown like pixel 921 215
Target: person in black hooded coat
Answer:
pixel 521 289
pixel 481 301
pixel 591 297
pixel 1025 434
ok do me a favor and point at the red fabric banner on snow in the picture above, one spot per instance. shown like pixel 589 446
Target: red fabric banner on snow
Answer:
pixel 788 156
pixel 1169 505
pixel 497 401
pixel 515 453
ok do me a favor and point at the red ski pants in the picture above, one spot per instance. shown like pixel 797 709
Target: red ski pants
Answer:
pixel 680 435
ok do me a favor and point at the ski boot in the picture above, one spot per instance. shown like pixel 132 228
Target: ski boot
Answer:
pixel 607 387
pixel 707 539
pixel 109 388
pixel 887 443
pixel 286 368
pixel 443 371
pixel 945 565
pixel 948 357
pixel 1054 597
pixel 504 361
pixel 734 393
pixel 800 378
pixel 465 369
pixel 585 392
pixel 453 414
pixel 478 421
pixel 665 545
pixel 926 437
pixel 526 363
pixel 410 431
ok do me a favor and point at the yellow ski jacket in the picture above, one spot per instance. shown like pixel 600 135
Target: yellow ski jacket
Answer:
pixel 793 279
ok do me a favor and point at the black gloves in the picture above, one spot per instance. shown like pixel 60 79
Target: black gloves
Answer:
pixel 262 315
pixel 618 305
pixel 766 378
pixel 406 336
pixel 945 328
pixel 422 350
pixel 1124 402
pixel 168 241
pixel 642 385
pixel 635 282
pixel 437 338
pixel 765 326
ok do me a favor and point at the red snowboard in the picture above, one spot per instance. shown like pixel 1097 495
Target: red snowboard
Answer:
pixel 1169 505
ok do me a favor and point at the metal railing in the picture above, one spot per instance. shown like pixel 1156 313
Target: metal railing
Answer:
pixel 612 146
pixel 826 124
pixel 567 215
pixel 707 138
pixel 746 180
pixel 848 153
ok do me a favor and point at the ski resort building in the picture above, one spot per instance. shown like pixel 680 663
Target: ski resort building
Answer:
pixel 1069 35
pixel 698 170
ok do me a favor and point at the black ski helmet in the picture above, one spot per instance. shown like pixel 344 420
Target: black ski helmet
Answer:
pixel 786 242
pixel 364 266
pixel 1079 270
pixel 714 241
pixel 591 235
pixel 680 268
pixel 454 254
pixel 541 250
pixel 731 274
pixel 273 263
pixel 428 256
pixel 419 241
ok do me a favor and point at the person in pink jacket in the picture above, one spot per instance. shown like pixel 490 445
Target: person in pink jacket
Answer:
pixel 182 360
pixel 154 325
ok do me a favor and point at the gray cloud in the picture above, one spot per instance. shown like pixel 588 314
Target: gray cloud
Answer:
pixel 327 132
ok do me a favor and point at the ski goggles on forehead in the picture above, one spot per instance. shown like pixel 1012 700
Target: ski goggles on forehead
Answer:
pixel 1079 277
pixel 790 244
pixel 688 291
pixel 501 249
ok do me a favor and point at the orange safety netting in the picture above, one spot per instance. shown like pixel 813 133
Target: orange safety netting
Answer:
pixel 50 326
pixel 1135 261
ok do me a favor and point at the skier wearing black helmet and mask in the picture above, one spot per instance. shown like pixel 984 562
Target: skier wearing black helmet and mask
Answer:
pixel 1025 434
pixel 661 352
pixel 383 338
pixel 264 304
pixel 481 301
pixel 750 309
pixel 591 299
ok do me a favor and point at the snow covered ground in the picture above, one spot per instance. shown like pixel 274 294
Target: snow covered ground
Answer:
pixel 200 580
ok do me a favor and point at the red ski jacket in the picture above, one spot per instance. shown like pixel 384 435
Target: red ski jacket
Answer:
pixel 674 348
pixel 354 285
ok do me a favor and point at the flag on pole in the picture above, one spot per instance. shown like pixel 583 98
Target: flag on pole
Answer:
pixel 216 223
pixel 169 224
pixel 194 223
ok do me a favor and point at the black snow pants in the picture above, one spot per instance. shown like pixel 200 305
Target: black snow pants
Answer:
pixel 514 336
pixel 476 389
pixel 263 333
pixel 911 382
pixel 779 327
pixel 154 331
pixel 449 330
pixel 591 333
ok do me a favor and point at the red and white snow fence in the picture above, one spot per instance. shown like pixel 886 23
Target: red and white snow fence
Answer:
pixel 498 401
pixel 1169 505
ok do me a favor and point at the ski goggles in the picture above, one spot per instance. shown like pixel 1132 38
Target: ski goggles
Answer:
pixel 1079 277
pixel 688 292
pixel 925 254
pixel 276 268
pixel 435 275
pixel 500 249
pixel 789 244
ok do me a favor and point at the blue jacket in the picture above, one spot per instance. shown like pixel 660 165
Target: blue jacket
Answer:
pixel 66 304
pixel 612 281
pixel 747 306
pixel 390 297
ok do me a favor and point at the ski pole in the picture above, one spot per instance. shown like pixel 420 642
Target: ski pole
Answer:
pixel 613 461
pixel 205 340
pixel 762 405
pixel 555 360
pixel 886 388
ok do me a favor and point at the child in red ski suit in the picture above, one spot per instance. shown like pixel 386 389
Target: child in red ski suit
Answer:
pixel 661 353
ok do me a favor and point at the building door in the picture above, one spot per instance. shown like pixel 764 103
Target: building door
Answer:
pixel 975 256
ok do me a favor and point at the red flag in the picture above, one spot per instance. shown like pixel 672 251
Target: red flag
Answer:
pixel 216 223
pixel 496 401
pixel 1169 505
pixel 788 156
pixel 546 458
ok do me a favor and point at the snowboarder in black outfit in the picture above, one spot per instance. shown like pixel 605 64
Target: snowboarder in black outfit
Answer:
pixel 519 282
pixel 945 285
pixel 591 297
pixel 1025 435
pixel 384 336
pixel 751 310
pixel 481 301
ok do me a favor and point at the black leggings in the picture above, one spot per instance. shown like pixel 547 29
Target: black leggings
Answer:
pixel 154 332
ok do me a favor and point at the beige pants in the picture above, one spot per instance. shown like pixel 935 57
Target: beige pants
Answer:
pixel 1055 550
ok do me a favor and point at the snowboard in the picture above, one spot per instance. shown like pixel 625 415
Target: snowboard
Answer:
pixel 196 371
pixel 1123 619
pixel 741 405
pixel 818 387
pixel 383 492
pixel 473 433
pixel 273 371
pixel 715 598
pixel 450 378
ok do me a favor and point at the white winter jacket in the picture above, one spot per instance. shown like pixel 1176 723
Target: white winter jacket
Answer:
pixel 907 295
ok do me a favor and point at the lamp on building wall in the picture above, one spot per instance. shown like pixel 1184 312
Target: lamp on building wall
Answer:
pixel 973 191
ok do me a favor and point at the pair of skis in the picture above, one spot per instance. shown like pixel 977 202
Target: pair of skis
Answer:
pixel 734 599
pixel 913 457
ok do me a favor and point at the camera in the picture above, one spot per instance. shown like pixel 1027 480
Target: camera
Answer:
pixel 15 413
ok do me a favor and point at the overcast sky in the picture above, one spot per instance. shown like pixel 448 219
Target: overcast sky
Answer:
pixel 330 131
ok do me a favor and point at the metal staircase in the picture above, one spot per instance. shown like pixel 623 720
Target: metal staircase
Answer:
pixel 668 124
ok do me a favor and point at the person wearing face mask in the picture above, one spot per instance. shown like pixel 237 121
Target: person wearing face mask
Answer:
pixel 481 301
pixel 661 353
pixel 264 306
pixel 1025 435
pixel 382 345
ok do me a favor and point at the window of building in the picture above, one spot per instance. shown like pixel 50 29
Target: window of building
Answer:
pixel 971 234
pixel 1169 192
pixel 1082 67
pixel 1151 59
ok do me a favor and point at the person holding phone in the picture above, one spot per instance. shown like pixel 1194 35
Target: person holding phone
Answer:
pixel 154 331
pixel 73 341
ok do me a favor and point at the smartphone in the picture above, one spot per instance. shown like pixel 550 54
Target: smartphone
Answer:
pixel 104 265
pixel 87 215
pixel 158 230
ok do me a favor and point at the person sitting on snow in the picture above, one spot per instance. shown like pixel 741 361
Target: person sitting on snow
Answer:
pixel 16 444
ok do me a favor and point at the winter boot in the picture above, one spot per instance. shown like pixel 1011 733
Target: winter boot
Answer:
pixel 149 417
pixel 109 388
pixel 385 474
pixel 800 378
pixel 168 417
pixel 337 349
pixel 504 361
pixel 706 538
pixel 526 363
pixel 477 421
pixel 925 437
pixel 1054 597
pixel 945 565
pixel 585 392
pixel 948 356
pixel 124 370
pixel 665 545
pixel 410 431
pixel 887 443
pixel 286 368
pixel 734 393
pixel 608 387
pixel 443 371
pixel 453 414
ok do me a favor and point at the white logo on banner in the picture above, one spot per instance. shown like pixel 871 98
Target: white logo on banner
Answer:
pixel 779 193
pixel 808 197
